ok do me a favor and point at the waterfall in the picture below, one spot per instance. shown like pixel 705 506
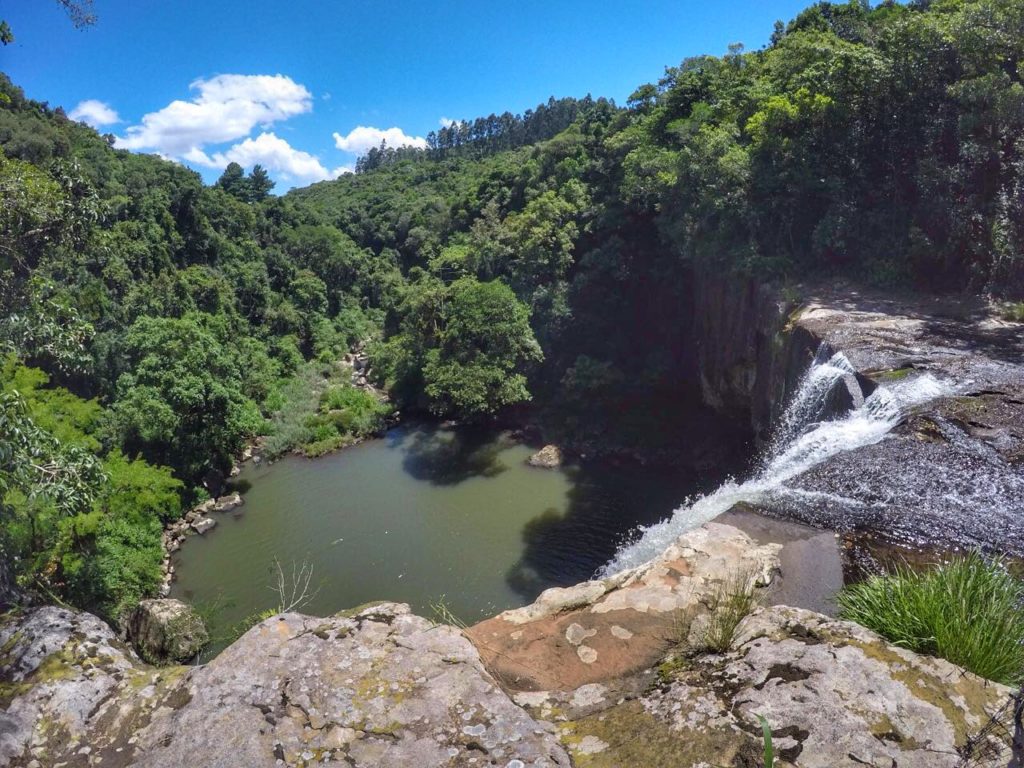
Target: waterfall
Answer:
pixel 802 441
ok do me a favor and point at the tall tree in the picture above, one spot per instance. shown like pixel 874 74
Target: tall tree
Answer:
pixel 260 184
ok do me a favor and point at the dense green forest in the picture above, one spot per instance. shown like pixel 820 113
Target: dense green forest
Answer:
pixel 151 325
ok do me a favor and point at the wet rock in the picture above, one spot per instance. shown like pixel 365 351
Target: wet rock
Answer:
pixel 951 476
pixel 166 631
pixel 844 396
pixel 548 457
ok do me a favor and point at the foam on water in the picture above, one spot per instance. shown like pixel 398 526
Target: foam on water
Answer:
pixel 802 441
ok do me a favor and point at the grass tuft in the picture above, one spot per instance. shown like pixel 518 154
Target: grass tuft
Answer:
pixel 968 611
pixel 731 602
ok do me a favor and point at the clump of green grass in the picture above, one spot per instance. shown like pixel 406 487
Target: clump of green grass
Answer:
pixel 969 611
pixel 728 605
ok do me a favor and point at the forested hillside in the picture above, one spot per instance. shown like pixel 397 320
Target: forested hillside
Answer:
pixel 152 324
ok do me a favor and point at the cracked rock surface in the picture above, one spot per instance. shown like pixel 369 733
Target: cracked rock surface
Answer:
pixel 621 626
pixel 835 695
pixel 380 687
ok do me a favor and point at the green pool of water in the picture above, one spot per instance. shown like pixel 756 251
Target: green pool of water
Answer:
pixel 422 516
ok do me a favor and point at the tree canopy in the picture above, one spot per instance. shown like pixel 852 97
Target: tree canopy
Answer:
pixel 547 258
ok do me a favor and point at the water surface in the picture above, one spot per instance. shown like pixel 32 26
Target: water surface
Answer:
pixel 423 515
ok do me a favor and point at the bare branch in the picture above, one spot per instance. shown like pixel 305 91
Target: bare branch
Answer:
pixel 294 591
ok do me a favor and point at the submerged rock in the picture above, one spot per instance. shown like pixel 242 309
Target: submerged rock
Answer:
pixel 166 631
pixel 548 457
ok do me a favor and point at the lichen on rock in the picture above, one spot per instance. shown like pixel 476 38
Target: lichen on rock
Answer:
pixel 166 631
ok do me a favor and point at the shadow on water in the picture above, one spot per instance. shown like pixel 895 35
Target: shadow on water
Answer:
pixel 605 505
pixel 446 457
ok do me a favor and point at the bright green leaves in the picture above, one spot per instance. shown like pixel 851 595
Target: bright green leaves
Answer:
pixel 782 117
pixel 463 348
pixel 181 403
pixel 483 344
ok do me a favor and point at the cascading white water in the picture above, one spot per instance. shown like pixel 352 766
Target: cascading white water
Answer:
pixel 802 441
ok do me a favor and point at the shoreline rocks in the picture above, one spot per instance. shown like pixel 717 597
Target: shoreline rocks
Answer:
pixel 197 520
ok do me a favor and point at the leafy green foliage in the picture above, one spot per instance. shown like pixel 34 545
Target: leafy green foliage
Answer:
pixel 466 343
pixel 354 411
pixel 75 523
pixel 182 403
pixel 318 410
pixel 546 257
pixel 251 189
pixel 968 611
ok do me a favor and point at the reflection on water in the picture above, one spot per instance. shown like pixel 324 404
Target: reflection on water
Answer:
pixel 424 514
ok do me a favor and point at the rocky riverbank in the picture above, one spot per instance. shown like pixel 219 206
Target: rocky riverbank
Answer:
pixel 355 366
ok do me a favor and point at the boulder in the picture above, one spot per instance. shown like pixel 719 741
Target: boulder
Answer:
pixel 166 631
pixel 203 524
pixel 844 396
pixel 372 687
pixel 548 457
pixel 227 503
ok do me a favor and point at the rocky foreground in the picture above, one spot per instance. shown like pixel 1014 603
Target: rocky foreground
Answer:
pixel 594 675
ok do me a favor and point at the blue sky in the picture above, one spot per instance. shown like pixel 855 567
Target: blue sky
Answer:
pixel 303 86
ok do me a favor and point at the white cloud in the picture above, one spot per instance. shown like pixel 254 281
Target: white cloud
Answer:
pixel 446 122
pixel 273 153
pixel 362 138
pixel 95 113
pixel 224 108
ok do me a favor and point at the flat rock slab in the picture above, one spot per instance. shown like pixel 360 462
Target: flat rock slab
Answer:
pixel 600 631
pixel 835 695
pixel 381 687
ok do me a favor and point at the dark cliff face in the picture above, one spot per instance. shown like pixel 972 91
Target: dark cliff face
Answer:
pixel 8 591
pixel 749 354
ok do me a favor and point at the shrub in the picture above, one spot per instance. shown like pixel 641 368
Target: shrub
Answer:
pixel 968 611
pixel 355 411
pixel 1013 311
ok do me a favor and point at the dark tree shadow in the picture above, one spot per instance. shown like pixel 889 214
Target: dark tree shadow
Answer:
pixel 606 504
pixel 449 456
